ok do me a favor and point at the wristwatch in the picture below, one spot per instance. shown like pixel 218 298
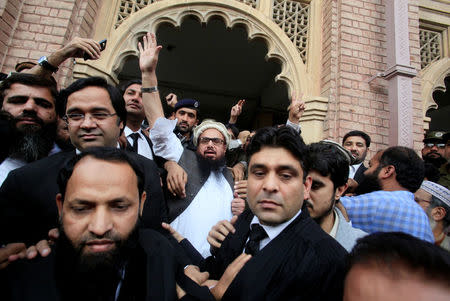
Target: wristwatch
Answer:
pixel 43 61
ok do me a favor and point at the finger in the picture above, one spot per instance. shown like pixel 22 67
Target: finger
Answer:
pixel 170 186
pixel 241 102
pixel 31 252
pixel 53 234
pixel 214 243
pixel 140 48
pixel 168 227
pixel 43 248
pixel 233 220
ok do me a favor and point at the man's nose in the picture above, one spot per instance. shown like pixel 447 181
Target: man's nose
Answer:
pixel 30 105
pixel 101 222
pixel 88 122
pixel 271 183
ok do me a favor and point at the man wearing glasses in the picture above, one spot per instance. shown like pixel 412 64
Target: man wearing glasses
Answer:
pixel 96 115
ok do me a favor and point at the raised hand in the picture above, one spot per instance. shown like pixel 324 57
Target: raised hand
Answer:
pixel 148 53
pixel 171 99
pixel 296 108
pixel 236 110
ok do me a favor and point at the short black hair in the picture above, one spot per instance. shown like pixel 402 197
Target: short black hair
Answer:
pixel 431 172
pixel 436 202
pixel 109 154
pixel 284 137
pixel 388 248
pixel 115 96
pixel 327 160
pixel 28 80
pixel 357 133
pixel 124 86
pixel 409 168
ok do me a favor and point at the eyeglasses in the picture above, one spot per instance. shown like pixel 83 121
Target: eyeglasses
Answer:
pixel 215 141
pixel 439 145
pixel 75 118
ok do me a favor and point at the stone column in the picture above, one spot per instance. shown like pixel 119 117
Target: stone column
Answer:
pixel 399 74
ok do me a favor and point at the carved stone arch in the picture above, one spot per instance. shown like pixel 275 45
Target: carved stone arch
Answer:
pixel 433 79
pixel 122 43
pixel 123 40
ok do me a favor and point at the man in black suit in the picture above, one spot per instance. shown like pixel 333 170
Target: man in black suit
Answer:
pixel 358 143
pixel 96 115
pixel 137 141
pixel 102 254
pixel 293 258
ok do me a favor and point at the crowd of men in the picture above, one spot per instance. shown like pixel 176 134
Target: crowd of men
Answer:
pixel 104 196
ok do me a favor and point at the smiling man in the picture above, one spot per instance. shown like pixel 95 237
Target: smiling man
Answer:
pixel 292 258
pixel 30 100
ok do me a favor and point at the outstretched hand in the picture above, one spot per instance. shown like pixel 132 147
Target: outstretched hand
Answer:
pixel 296 108
pixel 148 53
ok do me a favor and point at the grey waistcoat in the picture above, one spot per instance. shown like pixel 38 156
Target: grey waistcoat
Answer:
pixel 196 179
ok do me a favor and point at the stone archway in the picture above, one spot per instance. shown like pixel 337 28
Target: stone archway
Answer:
pixel 433 80
pixel 122 43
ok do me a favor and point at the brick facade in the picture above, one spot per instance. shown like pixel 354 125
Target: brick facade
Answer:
pixel 353 51
pixel 33 28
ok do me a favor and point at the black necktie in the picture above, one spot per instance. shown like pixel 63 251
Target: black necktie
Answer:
pixel 257 233
pixel 135 137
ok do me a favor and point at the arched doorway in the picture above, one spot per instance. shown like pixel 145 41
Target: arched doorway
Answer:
pixel 439 117
pixel 218 66
pixel 292 74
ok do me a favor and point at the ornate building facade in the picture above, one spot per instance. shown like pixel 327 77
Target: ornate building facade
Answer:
pixel 374 65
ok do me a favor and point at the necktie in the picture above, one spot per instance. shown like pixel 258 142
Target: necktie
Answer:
pixel 257 233
pixel 135 137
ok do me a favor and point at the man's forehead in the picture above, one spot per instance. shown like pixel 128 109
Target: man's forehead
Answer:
pixel 355 139
pixel 186 110
pixel 211 133
pixel 29 90
pixel 134 87
pixel 90 97
pixel 275 157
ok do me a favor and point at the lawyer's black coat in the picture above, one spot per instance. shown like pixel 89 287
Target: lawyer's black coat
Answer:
pixel 301 263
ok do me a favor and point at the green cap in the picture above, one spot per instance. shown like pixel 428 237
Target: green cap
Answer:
pixel 434 136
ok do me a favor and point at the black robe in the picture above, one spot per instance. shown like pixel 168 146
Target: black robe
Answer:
pixel 151 274
pixel 301 263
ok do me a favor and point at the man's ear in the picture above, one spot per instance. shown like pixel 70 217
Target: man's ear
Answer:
pixel 387 172
pixel 59 204
pixel 438 213
pixel 339 191
pixel 143 198
pixel 307 187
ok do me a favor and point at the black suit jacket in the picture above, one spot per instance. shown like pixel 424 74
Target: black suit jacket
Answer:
pixel 301 263
pixel 151 274
pixel 28 199
pixel 359 174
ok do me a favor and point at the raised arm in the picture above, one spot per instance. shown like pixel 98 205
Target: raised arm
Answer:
pixel 296 110
pixel 76 48
pixel 148 60
pixel 236 110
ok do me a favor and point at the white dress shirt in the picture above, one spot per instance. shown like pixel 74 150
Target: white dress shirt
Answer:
pixel 143 146
pixel 272 231
pixel 7 165
pixel 353 169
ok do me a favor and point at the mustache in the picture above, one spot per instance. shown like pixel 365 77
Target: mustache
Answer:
pixel 92 237
pixel 269 196
pixel 29 114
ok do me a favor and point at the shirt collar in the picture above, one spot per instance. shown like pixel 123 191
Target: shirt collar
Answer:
pixel 335 225
pixel 128 131
pixel 273 231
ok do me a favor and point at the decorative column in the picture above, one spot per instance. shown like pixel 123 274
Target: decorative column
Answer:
pixel 399 74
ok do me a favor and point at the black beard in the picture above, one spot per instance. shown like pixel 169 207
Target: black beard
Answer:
pixel 31 143
pixel 91 277
pixel 211 165
pixel 435 161
pixel 370 183
pixel 181 131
